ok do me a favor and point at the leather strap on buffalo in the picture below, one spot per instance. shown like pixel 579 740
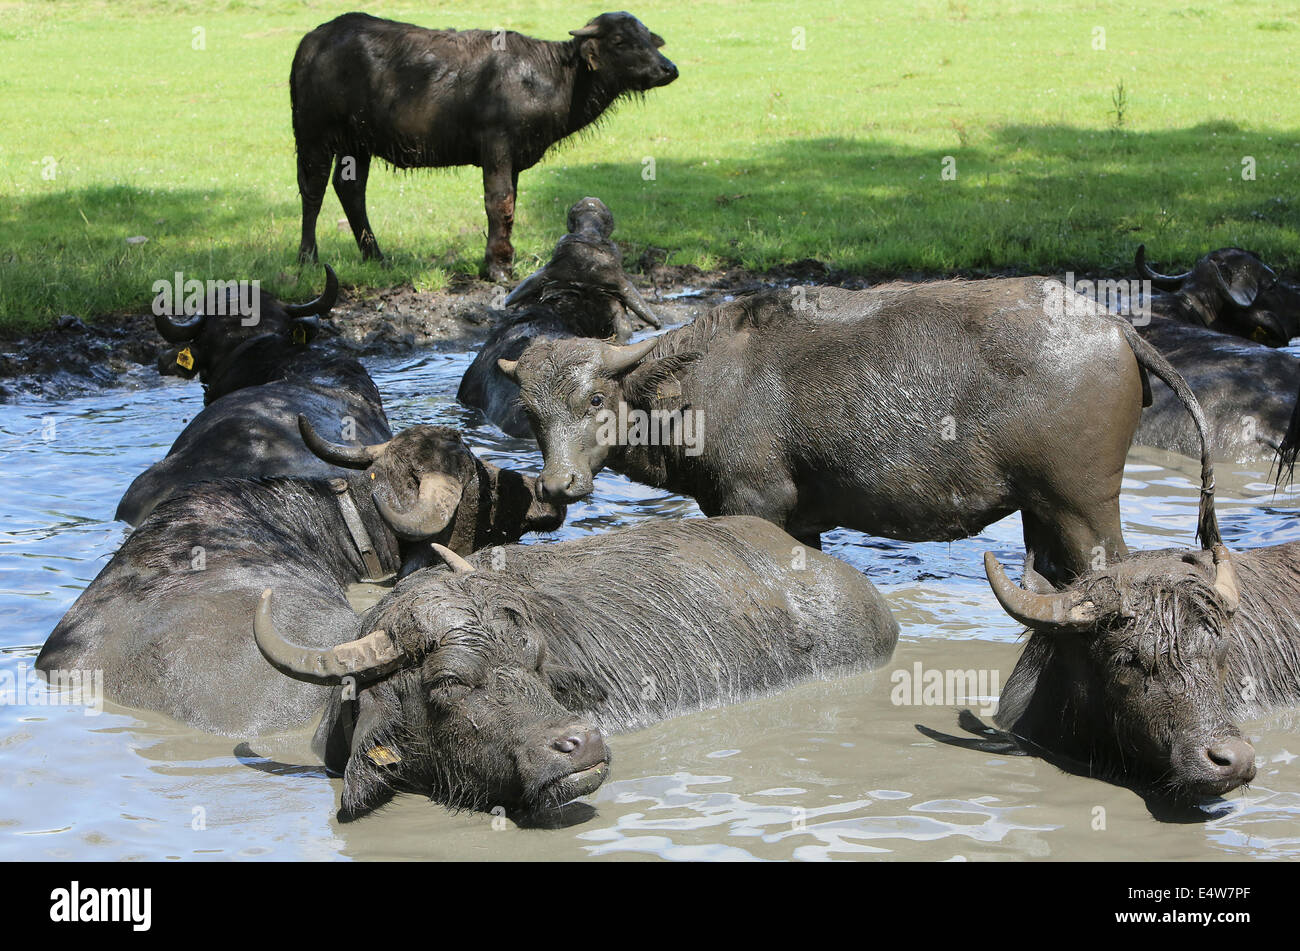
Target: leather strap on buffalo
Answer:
pixel 357 529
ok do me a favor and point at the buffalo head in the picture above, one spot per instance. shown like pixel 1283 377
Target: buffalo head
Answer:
pixel 446 689
pixel 210 340
pixel 1130 670
pixel 426 482
pixel 1234 291
pixel 568 388
pixel 620 50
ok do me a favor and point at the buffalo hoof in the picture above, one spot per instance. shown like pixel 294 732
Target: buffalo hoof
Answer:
pixel 307 255
pixel 497 272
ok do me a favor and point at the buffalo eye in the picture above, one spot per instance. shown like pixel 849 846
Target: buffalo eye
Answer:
pixel 597 400
pixel 448 686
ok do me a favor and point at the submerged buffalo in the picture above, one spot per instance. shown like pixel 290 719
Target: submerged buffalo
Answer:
pixel 417 98
pixel 582 291
pixel 1231 291
pixel 258 374
pixel 168 618
pixel 913 411
pixel 1138 673
pixel 496 687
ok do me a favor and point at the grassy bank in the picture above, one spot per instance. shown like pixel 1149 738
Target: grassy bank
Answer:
pixel 114 126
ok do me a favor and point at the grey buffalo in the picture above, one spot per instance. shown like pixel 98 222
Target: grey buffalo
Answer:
pixel 913 411
pixel 1139 672
pixel 582 291
pixel 168 619
pixel 363 87
pixel 497 685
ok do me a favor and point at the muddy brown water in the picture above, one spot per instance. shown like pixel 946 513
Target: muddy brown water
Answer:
pixel 825 770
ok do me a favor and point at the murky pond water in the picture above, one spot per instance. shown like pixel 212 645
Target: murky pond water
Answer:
pixel 825 770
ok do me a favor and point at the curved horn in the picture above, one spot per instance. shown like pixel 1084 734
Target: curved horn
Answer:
pixel 369 657
pixel 178 331
pixel 591 29
pixel 1225 579
pixel 1063 611
pixel 1242 296
pixel 510 368
pixel 1166 282
pixel 634 302
pixel 321 305
pixel 617 359
pixel 349 457
pixel 433 509
pixel 453 560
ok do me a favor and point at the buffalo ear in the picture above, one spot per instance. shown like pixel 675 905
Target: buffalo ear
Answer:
pixel 657 380
pixel 576 690
pixel 368 776
pixel 656 40
pixel 304 329
pixel 590 52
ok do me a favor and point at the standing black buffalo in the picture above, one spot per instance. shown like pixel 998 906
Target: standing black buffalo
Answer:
pixel 913 411
pixel 582 291
pixel 256 380
pixel 417 98
pixel 492 687
pixel 168 618
pixel 1137 672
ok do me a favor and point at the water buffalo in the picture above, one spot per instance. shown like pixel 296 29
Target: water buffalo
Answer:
pixel 1229 290
pixel 913 411
pixel 582 291
pixel 256 381
pixel 1137 672
pixel 168 618
pixel 494 687
pixel 417 98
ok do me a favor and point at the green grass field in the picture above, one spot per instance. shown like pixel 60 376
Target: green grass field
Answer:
pixel 113 126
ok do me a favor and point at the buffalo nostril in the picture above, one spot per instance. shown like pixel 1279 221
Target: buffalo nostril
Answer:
pixel 567 744
pixel 1233 758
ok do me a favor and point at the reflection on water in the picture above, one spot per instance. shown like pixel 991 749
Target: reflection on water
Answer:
pixel 823 771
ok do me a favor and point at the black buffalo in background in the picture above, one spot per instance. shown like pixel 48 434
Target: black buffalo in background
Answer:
pixel 256 380
pixel 416 98
pixel 582 291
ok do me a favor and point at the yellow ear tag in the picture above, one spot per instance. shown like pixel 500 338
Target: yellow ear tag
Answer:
pixel 185 359
pixel 383 756
pixel 299 333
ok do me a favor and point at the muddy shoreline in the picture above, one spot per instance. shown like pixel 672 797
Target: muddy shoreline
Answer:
pixel 76 355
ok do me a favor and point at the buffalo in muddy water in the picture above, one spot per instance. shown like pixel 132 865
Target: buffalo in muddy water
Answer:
pixel 258 373
pixel 416 98
pixel 486 688
pixel 1231 291
pixel 913 411
pixel 168 618
pixel 582 291
pixel 1138 672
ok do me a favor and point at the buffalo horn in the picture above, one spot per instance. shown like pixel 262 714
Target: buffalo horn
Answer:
pixel 1062 611
pixel 372 656
pixel 591 29
pixel 321 305
pixel 1166 282
pixel 1225 579
pixel 617 359
pixel 434 506
pixel 349 457
pixel 453 560
pixel 632 298
pixel 178 331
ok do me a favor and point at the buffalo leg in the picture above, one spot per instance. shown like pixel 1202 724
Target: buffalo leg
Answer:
pixel 313 179
pixel 499 182
pixel 350 175
pixel 1068 543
